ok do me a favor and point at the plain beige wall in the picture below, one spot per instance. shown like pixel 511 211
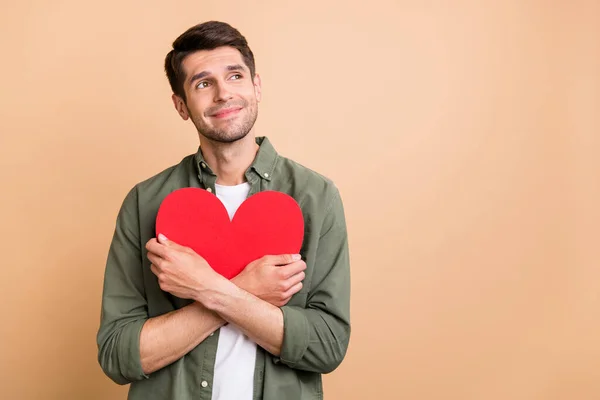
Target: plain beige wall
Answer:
pixel 463 135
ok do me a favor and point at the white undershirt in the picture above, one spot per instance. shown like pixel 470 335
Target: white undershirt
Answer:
pixel 236 354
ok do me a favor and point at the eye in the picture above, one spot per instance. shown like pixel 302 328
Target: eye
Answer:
pixel 236 76
pixel 202 85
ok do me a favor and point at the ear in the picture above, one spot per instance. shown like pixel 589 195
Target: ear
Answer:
pixel 180 107
pixel 257 87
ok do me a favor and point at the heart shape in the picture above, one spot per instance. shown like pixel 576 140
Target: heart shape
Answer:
pixel 266 223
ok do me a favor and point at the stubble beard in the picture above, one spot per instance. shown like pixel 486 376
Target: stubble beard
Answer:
pixel 236 130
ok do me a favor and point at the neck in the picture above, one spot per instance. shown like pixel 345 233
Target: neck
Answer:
pixel 230 160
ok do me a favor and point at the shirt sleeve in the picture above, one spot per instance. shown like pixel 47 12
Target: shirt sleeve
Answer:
pixel 124 307
pixel 316 337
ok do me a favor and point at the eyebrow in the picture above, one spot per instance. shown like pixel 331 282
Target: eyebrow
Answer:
pixel 203 74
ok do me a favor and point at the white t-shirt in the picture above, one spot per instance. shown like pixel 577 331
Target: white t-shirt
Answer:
pixel 236 354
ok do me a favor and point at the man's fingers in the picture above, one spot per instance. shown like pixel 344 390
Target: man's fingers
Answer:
pixel 154 259
pixel 281 259
pixel 162 246
pixel 299 277
pixel 154 269
pixel 292 291
pixel 292 269
pixel 162 239
pixel 153 246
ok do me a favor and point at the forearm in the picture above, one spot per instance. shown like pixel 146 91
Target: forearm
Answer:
pixel 167 338
pixel 261 321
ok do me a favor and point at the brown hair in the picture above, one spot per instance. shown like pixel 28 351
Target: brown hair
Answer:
pixel 205 36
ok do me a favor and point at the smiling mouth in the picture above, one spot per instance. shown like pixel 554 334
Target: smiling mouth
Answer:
pixel 226 113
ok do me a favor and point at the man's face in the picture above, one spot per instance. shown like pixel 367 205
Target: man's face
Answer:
pixel 222 99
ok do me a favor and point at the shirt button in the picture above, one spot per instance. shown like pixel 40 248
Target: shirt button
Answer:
pixel 204 384
pixel 266 175
pixel 203 165
pixel 209 190
pixel 212 334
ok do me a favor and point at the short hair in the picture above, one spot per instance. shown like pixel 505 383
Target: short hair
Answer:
pixel 205 36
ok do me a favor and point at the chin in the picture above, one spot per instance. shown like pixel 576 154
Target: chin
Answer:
pixel 225 138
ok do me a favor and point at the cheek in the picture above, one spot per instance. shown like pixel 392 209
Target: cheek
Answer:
pixel 195 110
pixel 252 97
pixel 198 102
pixel 196 116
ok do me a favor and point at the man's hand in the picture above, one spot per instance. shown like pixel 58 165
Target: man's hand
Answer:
pixel 274 279
pixel 179 269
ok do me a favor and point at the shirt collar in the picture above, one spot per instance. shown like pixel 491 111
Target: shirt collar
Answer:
pixel 263 164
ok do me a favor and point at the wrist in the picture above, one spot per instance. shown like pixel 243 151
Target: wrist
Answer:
pixel 215 292
pixel 239 281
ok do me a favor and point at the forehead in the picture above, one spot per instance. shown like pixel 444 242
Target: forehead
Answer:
pixel 212 61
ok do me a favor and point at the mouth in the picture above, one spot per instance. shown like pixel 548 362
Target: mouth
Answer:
pixel 228 112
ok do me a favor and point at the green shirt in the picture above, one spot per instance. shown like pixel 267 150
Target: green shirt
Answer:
pixel 316 319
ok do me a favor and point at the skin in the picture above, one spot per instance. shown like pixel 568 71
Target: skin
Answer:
pixel 222 102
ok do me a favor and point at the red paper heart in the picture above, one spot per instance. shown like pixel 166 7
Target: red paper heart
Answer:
pixel 266 223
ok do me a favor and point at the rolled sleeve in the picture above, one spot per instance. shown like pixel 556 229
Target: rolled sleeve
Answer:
pixel 296 335
pixel 124 306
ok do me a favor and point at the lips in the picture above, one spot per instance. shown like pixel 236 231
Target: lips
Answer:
pixel 226 112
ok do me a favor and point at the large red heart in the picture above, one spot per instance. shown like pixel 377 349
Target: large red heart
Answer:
pixel 266 223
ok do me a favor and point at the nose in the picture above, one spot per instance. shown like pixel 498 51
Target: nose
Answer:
pixel 222 93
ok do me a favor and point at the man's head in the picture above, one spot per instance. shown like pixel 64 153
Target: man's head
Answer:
pixel 212 74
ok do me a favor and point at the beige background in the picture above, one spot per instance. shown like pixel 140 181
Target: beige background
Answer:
pixel 463 135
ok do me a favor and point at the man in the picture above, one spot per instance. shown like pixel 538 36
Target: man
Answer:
pixel 170 325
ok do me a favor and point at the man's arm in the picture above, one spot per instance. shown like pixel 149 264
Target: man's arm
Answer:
pixel 260 321
pixel 185 274
pixel 167 338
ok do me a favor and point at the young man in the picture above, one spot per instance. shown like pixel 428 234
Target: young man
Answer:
pixel 170 325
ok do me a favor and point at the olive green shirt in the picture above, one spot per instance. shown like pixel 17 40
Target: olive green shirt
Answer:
pixel 316 319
